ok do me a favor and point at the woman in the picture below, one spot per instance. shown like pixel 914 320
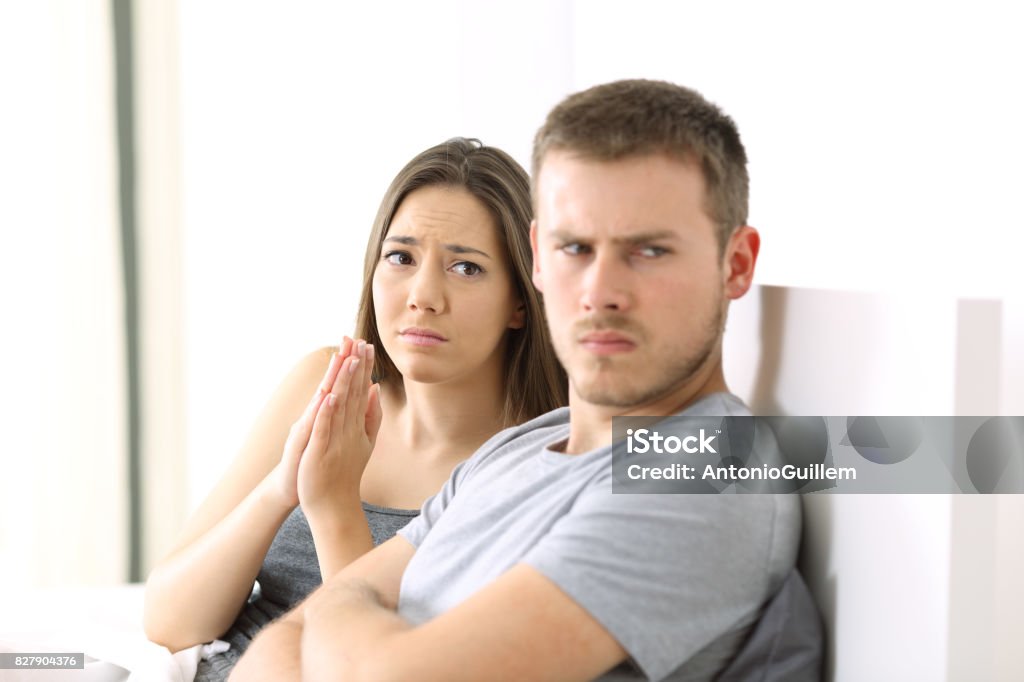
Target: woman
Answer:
pixel 459 348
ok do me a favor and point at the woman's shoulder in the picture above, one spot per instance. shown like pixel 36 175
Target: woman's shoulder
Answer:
pixel 312 366
pixel 288 401
pixel 320 356
pixel 299 382
pixel 261 450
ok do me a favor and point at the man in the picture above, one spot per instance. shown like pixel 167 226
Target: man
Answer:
pixel 525 566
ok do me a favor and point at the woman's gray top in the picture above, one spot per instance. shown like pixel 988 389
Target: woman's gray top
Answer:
pixel 290 571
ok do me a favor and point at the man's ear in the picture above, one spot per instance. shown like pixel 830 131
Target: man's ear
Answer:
pixel 518 319
pixel 536 256
pixel 739 260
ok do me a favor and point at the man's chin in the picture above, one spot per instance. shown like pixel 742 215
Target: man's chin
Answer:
pixel 604 399
pixel 629 390
pixel 607 392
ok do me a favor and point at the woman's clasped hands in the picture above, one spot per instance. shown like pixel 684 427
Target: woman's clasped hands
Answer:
pixel 329 445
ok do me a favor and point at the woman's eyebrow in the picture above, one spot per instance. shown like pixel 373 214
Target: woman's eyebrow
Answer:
pixel 460 249
pixel 454 248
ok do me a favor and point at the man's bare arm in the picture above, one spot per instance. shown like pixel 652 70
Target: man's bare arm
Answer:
pixel 274 654
pixel 349 612
pixel 521 626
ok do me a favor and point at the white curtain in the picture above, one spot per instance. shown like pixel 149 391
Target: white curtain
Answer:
pixel 63 514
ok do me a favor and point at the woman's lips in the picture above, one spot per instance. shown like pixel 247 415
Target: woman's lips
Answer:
pixel 422 337
pixel 607 343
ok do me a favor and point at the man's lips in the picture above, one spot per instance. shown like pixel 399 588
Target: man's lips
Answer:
pixel 419 336
pixel 607 342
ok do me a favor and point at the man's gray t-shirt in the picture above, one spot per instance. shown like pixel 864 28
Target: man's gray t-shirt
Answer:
pixel 677 579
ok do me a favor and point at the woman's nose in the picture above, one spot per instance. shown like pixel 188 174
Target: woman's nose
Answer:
pixel 426 292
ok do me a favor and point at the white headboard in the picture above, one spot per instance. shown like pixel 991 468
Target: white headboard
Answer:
pixel 911 586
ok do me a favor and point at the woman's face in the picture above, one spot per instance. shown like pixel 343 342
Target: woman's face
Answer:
pixel 442 289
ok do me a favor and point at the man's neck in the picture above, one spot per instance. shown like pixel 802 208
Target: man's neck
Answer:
pixel 590 425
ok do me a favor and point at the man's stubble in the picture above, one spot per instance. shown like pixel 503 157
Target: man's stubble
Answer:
pixel 667 372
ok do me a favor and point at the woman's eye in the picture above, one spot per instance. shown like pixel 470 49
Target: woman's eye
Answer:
pixel 467 268
pixel 398 258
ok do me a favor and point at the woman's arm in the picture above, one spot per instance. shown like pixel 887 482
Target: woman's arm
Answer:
pixel 342 537
pixel 194 593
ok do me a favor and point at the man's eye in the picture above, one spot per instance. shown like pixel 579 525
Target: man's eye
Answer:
pixel 398 258
pixel 651 251
pixel 575 249
pixel 467 268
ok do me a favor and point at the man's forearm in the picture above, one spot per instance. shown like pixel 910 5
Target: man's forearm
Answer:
pixel 345 627
pixel 274 654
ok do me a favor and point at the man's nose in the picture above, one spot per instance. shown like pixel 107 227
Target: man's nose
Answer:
pixel 605 284
pixel 426 292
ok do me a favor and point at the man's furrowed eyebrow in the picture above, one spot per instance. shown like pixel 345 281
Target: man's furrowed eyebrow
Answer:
pixel 454 248
pixel 647 237
pixel 635 238
pixel 565 236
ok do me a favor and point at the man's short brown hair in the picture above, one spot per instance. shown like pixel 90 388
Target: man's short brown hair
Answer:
pixel 635 117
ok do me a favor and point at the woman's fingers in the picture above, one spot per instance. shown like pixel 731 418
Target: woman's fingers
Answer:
pixel 332 372
pixel 351 394
pixel 332 369
pixel 302 428
pixel 349 391
pixel 330 376
pixel 328 381
pixel 361 387
pixel 346 347
pixel 298 436
pixel 340 390
pixel 374 413
pixel 321 430
pixel 355 352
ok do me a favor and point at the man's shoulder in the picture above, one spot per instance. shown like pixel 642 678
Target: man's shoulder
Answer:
pixel 720 404
pixel 527 437
pixel 540 426
pixel 555 418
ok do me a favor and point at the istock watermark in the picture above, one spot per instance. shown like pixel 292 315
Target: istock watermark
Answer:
pixel 645 440
pixel 860 454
